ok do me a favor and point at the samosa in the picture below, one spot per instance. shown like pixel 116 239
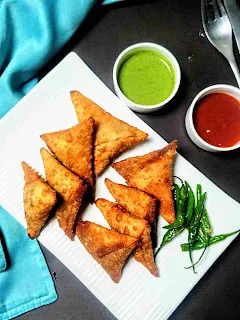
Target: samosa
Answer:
pixel 39 199
pixel 141 205
pixel 137 202
pixel 74 148
pixel 69 186
pixel 124 222
pixel 108 247
pixel 113 136
pixel 152 173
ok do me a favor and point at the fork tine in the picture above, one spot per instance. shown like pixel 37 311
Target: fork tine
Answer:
pixel 205 17
pixel 206 10
pixel 221 7
pixel 216 9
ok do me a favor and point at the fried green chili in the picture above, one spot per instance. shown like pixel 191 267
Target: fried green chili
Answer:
pixel 213 240
pixel 190 204
pixel 194 226
pixel 204 235
pixel 169 236
pixel 206 225
pixel 199 192
pixel 181 197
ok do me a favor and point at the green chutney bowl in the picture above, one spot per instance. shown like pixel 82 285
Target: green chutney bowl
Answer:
pixel 146 76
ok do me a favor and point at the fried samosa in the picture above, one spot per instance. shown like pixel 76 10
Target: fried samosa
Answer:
pixel 152 173
pixel 141 205
pixel 120 220
pixel 39 199
pixel 108 247
pixel 113 136
pixel 137 202
pixel 124 222
pixel 144 253
pixel 74 148
pixel 70 188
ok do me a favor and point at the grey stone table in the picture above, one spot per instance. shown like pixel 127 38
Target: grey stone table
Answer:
pixel 175 24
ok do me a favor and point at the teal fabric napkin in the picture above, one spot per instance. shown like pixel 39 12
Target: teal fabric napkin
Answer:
pixel 31 33
pixel 26 283
pixel 3 261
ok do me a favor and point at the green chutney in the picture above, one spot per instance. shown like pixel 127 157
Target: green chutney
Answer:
pixel 146 78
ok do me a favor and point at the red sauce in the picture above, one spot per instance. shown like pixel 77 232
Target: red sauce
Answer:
pixel 217 119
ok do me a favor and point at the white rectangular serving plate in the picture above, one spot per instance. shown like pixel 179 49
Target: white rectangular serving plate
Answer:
pixel 139 295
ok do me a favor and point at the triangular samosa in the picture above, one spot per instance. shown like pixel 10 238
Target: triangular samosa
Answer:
pixel 141 205
pixel 136 201
pixel 74 148
pixel 70 188
pixel 152 173
pixel 39 199
pixel 108 247
pixel 113 136
pixel 122 221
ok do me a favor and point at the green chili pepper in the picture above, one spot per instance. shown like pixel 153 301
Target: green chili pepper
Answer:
pixel 213 240
pixel 206 244
pixel 169 236
pixel 194 226
pixel 204 235
pixel 206 225
pixel 200 237
pixel 190 204
pixel 181 196
pixel 199 192
pixel 177 192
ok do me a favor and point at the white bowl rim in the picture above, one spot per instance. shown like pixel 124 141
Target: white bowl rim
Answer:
pixel 176 70
pixel 193 104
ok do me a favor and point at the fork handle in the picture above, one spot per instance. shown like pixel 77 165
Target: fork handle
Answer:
pixel 235 69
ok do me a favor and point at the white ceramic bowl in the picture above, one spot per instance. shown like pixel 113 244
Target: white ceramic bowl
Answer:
pixel 219 88
pixel 126 54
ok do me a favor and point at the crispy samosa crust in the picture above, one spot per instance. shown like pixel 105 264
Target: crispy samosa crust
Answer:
pixel 39 199
pixel 108 247
pixel 70 188
pixel 74 148
pixel 137 202
pixel 122 221
pixel 144 252
pixel 152 173
pixel 113 136
pixel 141 205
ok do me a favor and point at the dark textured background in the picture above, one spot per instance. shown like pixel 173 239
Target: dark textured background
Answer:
pixel 175 24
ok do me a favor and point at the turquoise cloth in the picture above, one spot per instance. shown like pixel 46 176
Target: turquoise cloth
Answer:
pixel 3 261
pixel 26 282
pixel 31 33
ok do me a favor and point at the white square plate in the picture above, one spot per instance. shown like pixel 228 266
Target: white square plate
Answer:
pixel 47 108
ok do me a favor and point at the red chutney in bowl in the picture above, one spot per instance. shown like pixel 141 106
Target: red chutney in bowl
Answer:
pixel 216 119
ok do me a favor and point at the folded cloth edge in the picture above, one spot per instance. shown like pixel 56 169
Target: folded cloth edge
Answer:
pixel 3 261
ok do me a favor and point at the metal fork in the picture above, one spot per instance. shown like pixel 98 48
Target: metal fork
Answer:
pixel 218 30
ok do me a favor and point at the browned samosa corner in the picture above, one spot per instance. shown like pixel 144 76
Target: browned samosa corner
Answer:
pixel 74 148
pixel 124 222
pixel 113 136
pixel 141 205
pixel 108 247
pixel 136 201
pixel 39 199
pixel 152 173
pixel 70 188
